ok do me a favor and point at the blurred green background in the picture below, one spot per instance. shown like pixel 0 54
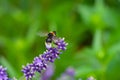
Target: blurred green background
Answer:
pixel 91 27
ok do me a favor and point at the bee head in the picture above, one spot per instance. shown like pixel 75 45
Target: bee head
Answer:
pixel 51 34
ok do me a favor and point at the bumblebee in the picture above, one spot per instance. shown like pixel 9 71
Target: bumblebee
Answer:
pixel 50 38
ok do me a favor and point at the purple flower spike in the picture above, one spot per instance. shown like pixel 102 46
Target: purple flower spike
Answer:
pixel 40 63
pixel 48 73
pixel 61 44
pixel 51 54
pixel 3 74
pixel 70 71
pixel 69 74
pixel 28 71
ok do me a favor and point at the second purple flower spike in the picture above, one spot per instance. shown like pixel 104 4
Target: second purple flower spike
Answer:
pixel 3 73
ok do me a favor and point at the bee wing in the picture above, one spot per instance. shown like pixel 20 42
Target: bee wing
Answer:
pixel 55 39
pixel 42 34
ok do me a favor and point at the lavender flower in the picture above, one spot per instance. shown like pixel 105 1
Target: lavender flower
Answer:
pixel 51 54
pixel 3 74
pixel 48 72
pixel 68 74
pixel 61 45
pixel 28 71
pixel 40 63
pixel 70 71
